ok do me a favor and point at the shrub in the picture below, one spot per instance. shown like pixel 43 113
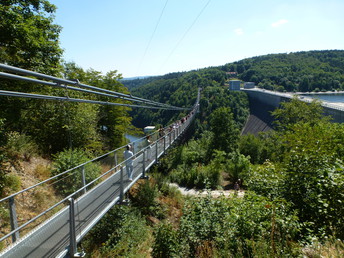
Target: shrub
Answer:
pixel 266 180
pixel 196 176
pixel 237 165
pixel 239 227
pixel 166 241
pixel 122 232
pixel 145 198
pixel 12 183
pixel 42 172
pixel 20 146
pixel 72 181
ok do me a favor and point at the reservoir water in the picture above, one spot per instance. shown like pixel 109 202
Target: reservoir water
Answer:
pixel 328 97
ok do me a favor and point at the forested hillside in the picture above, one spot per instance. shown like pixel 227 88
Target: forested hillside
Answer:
pixel 300 71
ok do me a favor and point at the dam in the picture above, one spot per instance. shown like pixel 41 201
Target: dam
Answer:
pixel 263 102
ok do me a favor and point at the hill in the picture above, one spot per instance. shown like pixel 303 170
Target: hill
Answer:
pixel 300 71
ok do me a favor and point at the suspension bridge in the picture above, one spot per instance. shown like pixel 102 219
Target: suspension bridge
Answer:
pixel 57 230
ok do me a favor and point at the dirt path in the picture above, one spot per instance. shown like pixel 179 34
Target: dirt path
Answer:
pixel 214 193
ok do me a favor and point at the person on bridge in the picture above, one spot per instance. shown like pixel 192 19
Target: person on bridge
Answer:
pixel 129 157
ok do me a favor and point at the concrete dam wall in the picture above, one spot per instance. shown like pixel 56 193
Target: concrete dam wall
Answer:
pixel 263 102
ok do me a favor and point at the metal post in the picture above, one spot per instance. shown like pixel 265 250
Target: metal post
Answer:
pixel 121 193
pixel 72 238
pixel 144 163
pixel 156 152
pixel 13 217
pixel 116 161
pixel 164 144
pixel 83 178
pixel 170 139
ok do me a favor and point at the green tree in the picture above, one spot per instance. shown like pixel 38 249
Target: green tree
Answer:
pixel 249 145
pixel 72 181
pixel 296 111
pixel 29 40
pixel 114 120
pixel 28 37
pixel 314 180
pixel 3 158
pixel 224 129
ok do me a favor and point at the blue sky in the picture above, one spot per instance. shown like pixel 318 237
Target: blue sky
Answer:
pixel 115 34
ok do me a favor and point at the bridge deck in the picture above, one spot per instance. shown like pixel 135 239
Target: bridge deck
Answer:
pixel 51 239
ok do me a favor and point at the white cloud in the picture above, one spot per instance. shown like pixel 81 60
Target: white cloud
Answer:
pixel 279 23
pixel 239 31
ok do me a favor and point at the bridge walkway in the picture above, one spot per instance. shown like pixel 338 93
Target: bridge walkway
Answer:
pixel 52 238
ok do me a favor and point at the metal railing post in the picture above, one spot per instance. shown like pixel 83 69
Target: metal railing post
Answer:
pixel 144 163
pixel 170 138
pixel 156 152
pixel 13 218
pixel 72 237
pixel 164 144
pixel 83 177
pixel 121 193
pixel 116 160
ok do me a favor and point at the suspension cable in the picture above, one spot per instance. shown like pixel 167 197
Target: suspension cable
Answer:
pixel 48 97
pixel 58 81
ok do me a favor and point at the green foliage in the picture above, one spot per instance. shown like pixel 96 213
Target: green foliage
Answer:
pixel 166 243
pixel 266 180
pixel 251 146
pixel 238 227
pixel 115 119
pixel 146 199
pixel 314 175
pixel 72 181
pixel 3 158
pixel 310 170
pixel 127 240
pixel 237 165
pixel 189 166
pixel 20 146
pixel 224 129
pixel 197 176
pixel 295 111
pixel 215 97
pixel 57 126
pixel 29 39
pixel 301 71
pixel 121 233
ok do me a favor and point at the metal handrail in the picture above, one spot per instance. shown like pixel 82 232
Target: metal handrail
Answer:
pixel 85 186
pixel 69 170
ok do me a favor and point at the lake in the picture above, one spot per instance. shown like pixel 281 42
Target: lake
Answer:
pixel 328 97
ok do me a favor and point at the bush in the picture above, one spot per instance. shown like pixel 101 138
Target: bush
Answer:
pixel 128 239
pixel 122 232
pixel 145 199
pixel 166 241
pixel 239 227
pixel 72 181
pixel 12 183
pixel 266 180
pixel 237 165
pixel 20 146
pixel 196 176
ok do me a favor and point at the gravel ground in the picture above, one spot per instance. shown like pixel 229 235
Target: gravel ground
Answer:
pixel 214 193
